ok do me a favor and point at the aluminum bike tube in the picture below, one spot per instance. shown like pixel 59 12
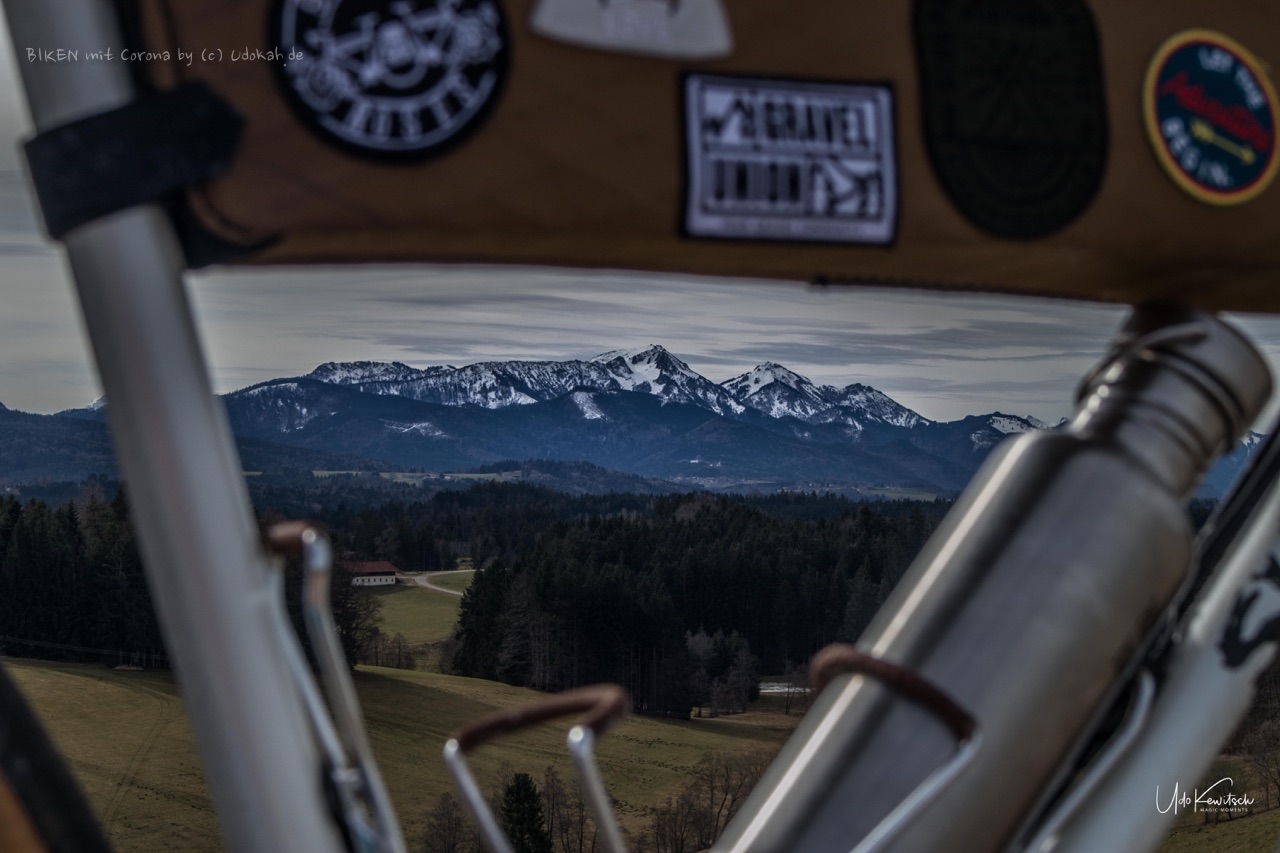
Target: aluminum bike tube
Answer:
pixel 207 571
pixel 1229 640
pixel 1030 600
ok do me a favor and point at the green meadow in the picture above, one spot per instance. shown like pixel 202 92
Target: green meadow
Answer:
pixel 128 742
pixel 422 615
pixel 456 581
pixel 127 739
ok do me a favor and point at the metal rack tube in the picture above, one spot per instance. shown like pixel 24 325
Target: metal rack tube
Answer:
pixel 206 569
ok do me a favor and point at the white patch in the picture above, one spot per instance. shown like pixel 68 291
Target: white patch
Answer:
pixel 587 405
pixel 425 428
pixel 687 29
pixel 789 160
pixel 1008 424
pixel 270 389
pixel 981 440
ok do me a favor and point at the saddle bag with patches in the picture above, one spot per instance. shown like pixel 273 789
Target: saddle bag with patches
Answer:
pixel 1117 151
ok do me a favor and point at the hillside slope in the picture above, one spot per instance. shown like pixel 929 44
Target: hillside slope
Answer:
pixel 130 746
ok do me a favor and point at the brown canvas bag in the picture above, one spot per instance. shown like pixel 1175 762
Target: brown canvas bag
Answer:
pixel 991 145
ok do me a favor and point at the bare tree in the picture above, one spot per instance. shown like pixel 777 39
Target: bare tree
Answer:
pixel 699 648
pixel 716 789
pixel 399 653
pixel 373 652
pixel 568 820
pixel 675 825
pixel 1263 747
pixel 797 695
pixel 448 830
pixel 720 784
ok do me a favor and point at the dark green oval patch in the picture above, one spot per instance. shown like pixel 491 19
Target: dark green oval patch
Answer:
pixel 1014 111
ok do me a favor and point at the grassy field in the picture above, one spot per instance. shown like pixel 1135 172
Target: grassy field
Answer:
pixel 128 741
pixel 1257 833
pixel 422 615
pixel 456 582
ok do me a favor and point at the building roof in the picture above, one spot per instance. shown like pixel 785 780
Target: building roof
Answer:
pixel 379 567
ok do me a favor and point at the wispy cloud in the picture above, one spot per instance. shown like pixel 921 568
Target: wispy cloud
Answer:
pixel 944 355
pixel 947 355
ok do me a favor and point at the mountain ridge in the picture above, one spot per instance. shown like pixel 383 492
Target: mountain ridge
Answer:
pixel 641 411
pixel 770 387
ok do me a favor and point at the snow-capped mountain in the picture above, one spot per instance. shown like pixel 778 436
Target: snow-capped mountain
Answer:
pixel 643 411
pixel 770 389
pixel 489 385
pixel 654 370
pixel 778 392
pixel 1008 424
pixel 877 406
pixel 365 372
pixel 498 384
pixel 995 426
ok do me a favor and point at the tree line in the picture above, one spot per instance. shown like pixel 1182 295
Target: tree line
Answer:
pixel 572 589
pixel 72 587
pixel 695 591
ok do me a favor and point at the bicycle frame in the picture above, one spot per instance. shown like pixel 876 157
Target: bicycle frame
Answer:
pixel 1216 654
pixel 208 572
pixel 211 578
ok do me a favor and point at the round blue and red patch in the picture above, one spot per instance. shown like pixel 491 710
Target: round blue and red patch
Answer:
pixel 1211 113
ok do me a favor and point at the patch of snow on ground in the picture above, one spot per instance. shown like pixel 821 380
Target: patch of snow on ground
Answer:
pixel 425 428
pixel 980 440
pixel 267 389
pixel 1007 425
pixel 587 405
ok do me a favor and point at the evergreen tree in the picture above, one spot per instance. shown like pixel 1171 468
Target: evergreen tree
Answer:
pixel 522 817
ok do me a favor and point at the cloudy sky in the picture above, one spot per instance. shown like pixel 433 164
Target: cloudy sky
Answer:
pixel 942 356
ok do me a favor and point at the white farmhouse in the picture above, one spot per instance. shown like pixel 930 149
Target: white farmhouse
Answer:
pixel 380 573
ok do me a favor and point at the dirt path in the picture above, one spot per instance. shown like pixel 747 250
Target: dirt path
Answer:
pixel 425 580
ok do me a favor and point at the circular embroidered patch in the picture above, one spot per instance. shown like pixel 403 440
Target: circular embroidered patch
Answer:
pixel 1210 113
pixel 391 79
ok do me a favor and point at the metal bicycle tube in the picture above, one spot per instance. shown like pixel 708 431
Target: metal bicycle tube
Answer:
pixel 1033 595
pixel 1199 705
pixel 207 571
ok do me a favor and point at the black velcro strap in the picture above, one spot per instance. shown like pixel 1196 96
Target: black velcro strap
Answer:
pixel 138 153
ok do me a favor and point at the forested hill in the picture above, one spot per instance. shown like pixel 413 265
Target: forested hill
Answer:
pixel 683 599
pixel 763 566
pixel 686 599
pixel 489 521
pixel 71 583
